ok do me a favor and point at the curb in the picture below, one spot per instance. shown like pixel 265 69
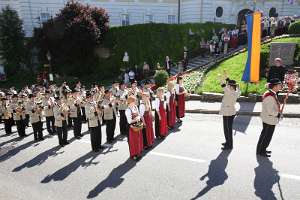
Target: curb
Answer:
pixel 241 113
pixel 217 97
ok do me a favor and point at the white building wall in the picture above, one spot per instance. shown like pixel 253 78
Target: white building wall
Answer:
pixel 191 10
pixel 30 11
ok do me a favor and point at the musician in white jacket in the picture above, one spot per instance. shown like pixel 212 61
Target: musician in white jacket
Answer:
pixel 231 94
pixel 270 116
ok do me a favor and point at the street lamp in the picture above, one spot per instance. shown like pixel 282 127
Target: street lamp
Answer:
pixel 48 55
pixel 126 60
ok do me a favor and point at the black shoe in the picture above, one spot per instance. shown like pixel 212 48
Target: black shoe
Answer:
pixel 264 155
pixel 66 143
pixel 41 139
pixel 226 148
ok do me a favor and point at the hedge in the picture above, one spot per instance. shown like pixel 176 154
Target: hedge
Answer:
pixel 152 42
pixel 294 28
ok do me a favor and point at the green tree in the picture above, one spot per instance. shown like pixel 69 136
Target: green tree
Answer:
pixel 11 40
pixel 72 38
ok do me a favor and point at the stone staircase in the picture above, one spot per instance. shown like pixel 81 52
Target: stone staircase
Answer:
pixel 202 62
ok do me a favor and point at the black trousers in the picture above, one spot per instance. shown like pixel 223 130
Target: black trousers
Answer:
pixel 124 130
pixel 7 126
pixel 265 138
pixel 70 124
pixel 83 114
pixel 77 126
pixel 27 117
pixel 227 126
pixel 62 133
pixel 110 129
pixel 37 130
pixel 21 127
pixel 96 137
pixel 50 124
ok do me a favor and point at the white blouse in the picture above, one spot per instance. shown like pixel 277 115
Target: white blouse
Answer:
pixel 128 113
pixel 156 103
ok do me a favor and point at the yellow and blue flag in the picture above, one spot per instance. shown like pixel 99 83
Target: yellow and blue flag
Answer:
pixel 251 73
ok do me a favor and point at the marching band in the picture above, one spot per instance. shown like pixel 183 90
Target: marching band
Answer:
pixel 142 114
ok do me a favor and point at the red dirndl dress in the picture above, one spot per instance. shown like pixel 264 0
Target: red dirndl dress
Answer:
pixel 181 103
pixel 149 128
pixel 135 140
pixel 172 111
pixel 163 121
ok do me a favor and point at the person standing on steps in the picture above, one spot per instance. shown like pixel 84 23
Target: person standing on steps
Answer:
pixel 270 116
pixel 231 94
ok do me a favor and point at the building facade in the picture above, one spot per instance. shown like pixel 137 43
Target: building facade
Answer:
pixel 128 12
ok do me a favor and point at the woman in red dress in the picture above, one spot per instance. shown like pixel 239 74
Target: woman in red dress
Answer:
pixel 180 97
pixel 146 114
pixel 135 137
pixel 161 127
pixel 171 105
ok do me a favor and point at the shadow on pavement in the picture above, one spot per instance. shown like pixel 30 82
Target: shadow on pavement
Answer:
pixel 17 149
pixel 216 173
pixel 84 161
pixel 241 122
pixel 14 140
pixel 114 179
pixel 265 178
pixel 39 159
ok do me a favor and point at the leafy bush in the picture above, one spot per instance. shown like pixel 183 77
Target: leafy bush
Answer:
pixel 152 42
pixel 160 78
pixel 294 28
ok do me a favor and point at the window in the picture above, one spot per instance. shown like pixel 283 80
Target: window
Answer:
pixel 219 11
pixel 171 19
pixel 272 12
pixel 125 19
pixel 148 18
pixel 45 17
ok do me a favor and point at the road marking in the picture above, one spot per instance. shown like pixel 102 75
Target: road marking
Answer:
pixel 290 176
pixel 178 157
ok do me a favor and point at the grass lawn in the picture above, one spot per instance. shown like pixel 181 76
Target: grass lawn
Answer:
pixel 235 67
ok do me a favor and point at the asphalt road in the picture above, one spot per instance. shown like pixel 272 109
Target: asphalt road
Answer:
pixel 188 164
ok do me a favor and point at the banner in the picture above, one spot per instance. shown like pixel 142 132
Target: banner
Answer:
pixel 251 72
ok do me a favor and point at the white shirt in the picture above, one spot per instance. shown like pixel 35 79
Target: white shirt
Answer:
pixel 131 75
pixel 156 103
pixel 177 88
pixel 142 109
pixel 128 113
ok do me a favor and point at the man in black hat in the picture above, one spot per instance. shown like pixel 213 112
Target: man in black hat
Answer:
pixel 7 115
pixel 122 106
pixel 109 115
pixel 60 115
pixel 48 104
pixel 75 114
pixel 94 117
pixel 270 116
pixel 231 94
pixel 36 121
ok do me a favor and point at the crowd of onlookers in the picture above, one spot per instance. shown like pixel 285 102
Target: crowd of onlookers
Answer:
pixel 224 39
